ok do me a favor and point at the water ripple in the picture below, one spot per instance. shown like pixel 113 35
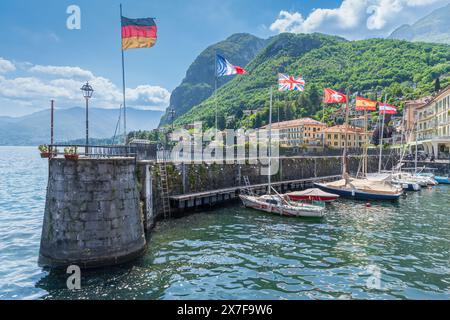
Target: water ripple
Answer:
pixel 235 253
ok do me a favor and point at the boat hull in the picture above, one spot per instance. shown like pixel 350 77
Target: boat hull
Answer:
pixel 250 202
pixel 358 195
pixel 442 180
pixel 408 186
pixel 305 198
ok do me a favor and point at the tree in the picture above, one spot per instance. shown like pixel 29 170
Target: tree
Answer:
pixel 437 85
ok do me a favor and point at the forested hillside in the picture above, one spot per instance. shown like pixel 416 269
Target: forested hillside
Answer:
pixel 373 67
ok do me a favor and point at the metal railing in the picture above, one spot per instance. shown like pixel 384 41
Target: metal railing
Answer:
pixel 95 151
pixel 152 152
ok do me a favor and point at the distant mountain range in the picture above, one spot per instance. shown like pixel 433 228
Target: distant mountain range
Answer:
pixel 34 129
pixel 434 27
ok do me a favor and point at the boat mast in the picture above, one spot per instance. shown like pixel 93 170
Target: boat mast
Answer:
pixel 344 156
pixel 415 160
pixel 269 185
pixel 382 133
pixel 365 162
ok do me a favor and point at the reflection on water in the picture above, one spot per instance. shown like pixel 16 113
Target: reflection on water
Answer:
pixel 237 253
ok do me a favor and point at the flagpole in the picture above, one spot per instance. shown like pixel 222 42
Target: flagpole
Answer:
pixel 365 154
pixel 215 88
pixel 123 84
pixel 323 121
pixel 347 110
pixel 382 133
pixel 269 185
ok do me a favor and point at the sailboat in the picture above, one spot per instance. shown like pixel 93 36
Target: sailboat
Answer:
pixel 360 188
pixel 273 202
pixel 396 176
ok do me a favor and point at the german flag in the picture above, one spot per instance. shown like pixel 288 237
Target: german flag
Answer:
pixel 138 33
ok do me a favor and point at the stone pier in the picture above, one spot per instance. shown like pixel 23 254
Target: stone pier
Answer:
pixel 97 210
pixel 92 213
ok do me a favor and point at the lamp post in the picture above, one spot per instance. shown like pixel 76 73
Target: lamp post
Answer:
pixel 87 93
pixel 172 115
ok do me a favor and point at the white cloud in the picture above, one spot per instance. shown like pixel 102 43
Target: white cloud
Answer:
pixel 6 66
pixel 66 72
pixel 357 19
pixel 149 97
pixel 63 84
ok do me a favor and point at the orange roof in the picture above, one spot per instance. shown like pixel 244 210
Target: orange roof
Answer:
pixel 341 129
pixel 295 123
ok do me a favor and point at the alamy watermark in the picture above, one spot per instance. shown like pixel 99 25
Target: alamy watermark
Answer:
pixel 74 280
pixel 374 281
pixel 73 22
pixel 251 146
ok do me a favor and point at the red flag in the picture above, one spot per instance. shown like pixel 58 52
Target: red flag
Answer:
pixel 387 109
pixel 331 96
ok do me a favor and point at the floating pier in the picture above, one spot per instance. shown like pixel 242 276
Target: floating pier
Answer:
pixel 197 200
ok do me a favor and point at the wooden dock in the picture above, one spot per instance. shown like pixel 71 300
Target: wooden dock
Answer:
pixel 213 197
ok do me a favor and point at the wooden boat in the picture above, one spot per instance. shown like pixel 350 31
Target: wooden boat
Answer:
pixel 277 205
pixel 362 189
pixel 314 194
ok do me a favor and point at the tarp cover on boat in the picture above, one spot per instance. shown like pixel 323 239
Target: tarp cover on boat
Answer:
pixel 313 194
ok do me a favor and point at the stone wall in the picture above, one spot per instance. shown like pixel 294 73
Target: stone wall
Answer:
pixel 92 213
pixel 192 178
pixel 442 168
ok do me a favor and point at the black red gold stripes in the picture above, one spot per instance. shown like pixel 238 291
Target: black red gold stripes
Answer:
pixel 138 33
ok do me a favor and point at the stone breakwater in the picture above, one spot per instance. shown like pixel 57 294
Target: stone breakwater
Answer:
pixel 92 213
pixel 97 210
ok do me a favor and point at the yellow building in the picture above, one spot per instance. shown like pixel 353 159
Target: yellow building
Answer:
pixel 335 137
pixel 299 132
pixel 433 125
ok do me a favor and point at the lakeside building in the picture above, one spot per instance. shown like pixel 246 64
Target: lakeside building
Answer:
pixel 299 132
pixel 409 112
pixel 359 121
pixel 335 137
pixel 433 125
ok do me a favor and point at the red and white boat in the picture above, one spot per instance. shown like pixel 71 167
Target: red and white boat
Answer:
pixel 275 204
pixel 314 194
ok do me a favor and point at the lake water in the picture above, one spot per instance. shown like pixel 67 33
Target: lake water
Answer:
pixel 387 251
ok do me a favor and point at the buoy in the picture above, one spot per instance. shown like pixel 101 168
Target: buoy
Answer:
pixel 368 205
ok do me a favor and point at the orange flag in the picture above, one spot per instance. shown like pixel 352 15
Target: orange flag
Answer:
pixel 365 104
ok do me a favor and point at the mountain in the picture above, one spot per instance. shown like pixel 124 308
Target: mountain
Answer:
pixel 198 84
pixel 70 124
pixel 374 67
pixel 434 27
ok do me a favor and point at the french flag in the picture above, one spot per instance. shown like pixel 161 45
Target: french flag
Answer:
pixel 225 68
pixel 387 109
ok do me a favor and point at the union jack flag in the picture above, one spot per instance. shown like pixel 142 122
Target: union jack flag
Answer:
pixel 287 83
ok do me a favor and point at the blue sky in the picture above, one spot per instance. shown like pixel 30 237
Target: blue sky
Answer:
pixel 41 59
